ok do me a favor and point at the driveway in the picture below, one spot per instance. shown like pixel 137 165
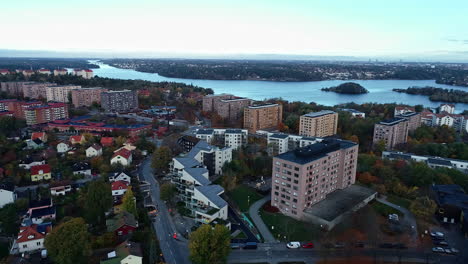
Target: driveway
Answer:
pixel 408 218
pixel 258 221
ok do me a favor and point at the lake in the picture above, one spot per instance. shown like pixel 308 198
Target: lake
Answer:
pixel 380 91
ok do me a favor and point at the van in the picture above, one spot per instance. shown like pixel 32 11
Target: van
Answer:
pixel 250 245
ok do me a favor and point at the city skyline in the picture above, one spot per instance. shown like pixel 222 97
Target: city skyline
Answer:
pixel 207 28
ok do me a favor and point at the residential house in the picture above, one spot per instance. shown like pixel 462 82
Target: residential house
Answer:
pixel 125 253
pixel 119 176
pixel 34 143
pixel 41 172
pixel 107 141
pixel 447 108
pixel 39 211
pixel 82 168
pixel 399 110
pixel 31 238
pixel 122 156
pixel 122 224
pixel 119 188
pixel 63 147
pixel 40 135
pixel 60 189
pixel 7 194
pixel 431 161
pixel 78 139
pixel 94 151
pixel 354 112
pixel 29 162
pixel 452 203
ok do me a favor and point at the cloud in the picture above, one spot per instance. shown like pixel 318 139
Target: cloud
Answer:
pixel 462 41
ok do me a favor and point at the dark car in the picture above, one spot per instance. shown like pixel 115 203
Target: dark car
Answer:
pixel 440 243
pixel 400 246
pixel 250 245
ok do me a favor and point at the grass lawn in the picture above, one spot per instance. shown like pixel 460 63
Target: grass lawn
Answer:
pixel 244 197
pixel 294 230
pixel 403 202
pixel 384 209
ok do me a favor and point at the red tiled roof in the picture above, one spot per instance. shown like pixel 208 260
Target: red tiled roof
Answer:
pixel 35 169
pixel 28 233
pixel 76 138
pixel 4 70
pixel 107 141
pixel 119 185
pixel 404 108
pixel 96 147
pixel 123 152
pixel 39 135
pixel 88 70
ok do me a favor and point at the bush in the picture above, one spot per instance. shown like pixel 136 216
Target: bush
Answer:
pixel 270 208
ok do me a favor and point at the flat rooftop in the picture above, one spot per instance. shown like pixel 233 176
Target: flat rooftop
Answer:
pixel 261 106
pixel 391 122
pixel 339 202
pixel 315 151
pixel 319 113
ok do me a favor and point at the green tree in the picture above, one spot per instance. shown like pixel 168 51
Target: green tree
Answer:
pixel 167 192
pixel 97 201
pixel 128 202
pixel 9 219
pixel 423 207
pixel 161 158
pixel 209 245
pixel 69 242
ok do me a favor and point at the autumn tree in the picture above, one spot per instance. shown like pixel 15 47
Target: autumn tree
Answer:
pixel 161 158
pixel 128 202
pixel 167 192
pixel 69 242
pixel 97 201
pixel 423 207
pixel 209 245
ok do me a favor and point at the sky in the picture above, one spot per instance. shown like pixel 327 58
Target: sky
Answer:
pixel 367 28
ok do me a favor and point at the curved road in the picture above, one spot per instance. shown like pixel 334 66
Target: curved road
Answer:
pixel 409 217
pixel 174 251
pixel 261 227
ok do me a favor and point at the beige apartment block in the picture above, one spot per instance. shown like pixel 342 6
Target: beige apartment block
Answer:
pixel 318 124
pixel 60 93
pixel 263 117
pixel 86 96
pixel 393 132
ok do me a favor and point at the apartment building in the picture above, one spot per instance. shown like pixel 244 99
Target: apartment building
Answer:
pixel 354 112
pixel 87 96
pixel 399 110
pixel 431 161
pixel 191 177
pixel 59 72
pixel 393 132
pixel 36 90
pixel 226 105
pixel 447 108
pixel 234 138
pixel 60 93
pixel 279 143
pixel 84 73
pixel 17 107
pixel 413 118
pixel 305 176
pixel 318 124
pixel 39 114
pixel 119 101
pixel 262 117
pixel 13 88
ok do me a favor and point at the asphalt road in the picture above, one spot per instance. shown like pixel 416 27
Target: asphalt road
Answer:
pixel 174 251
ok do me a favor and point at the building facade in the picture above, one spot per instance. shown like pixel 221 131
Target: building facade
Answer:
pixel 431 161
pixel 119 101
pixel 86 96
pixel 304 177
pixel 279 143
pixel 45 113
pixel 318 124
pixel 393 132
pixel 60 93
pixel 235 138
pixel 263 116
pixel 413 118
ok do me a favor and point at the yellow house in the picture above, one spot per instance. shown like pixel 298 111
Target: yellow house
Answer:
pixel 40 172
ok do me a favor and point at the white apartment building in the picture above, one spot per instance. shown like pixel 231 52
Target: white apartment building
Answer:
pixel 431 161
pixel 234 138
pixel 7 195
pixel 448 108
pixel 280 143
pixel 60 93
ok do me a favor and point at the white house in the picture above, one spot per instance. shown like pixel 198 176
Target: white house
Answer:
pixel 119 188
pixel 63 147
pixel 81 168
pixel 119 176
pixel 448 108
pixel 7 194
pixel 94 151
pixel 29 163
pixel 123 156
pixel 60 190
pixel 31 238
pixel 208 203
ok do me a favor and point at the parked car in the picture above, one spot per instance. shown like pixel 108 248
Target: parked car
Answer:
pixel 447 251
pixel 438 250
pixel 308 245
pixel 437 234
pixel 327 245
pixel 440 243
pixel 250 245
pixel 236 245
pixel 338 245
pixel 454 251
pixel 293 244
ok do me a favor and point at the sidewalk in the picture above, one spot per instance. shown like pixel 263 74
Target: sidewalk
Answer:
pixel 261 227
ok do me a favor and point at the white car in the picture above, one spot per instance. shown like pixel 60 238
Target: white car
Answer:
pixel 294 244
pixel 454 250
pixel 438 250
pixel 437 234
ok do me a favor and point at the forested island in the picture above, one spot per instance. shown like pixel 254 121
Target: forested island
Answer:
pixel 438 94
pixel 300 70
pixel 347 88
pixel 46 63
